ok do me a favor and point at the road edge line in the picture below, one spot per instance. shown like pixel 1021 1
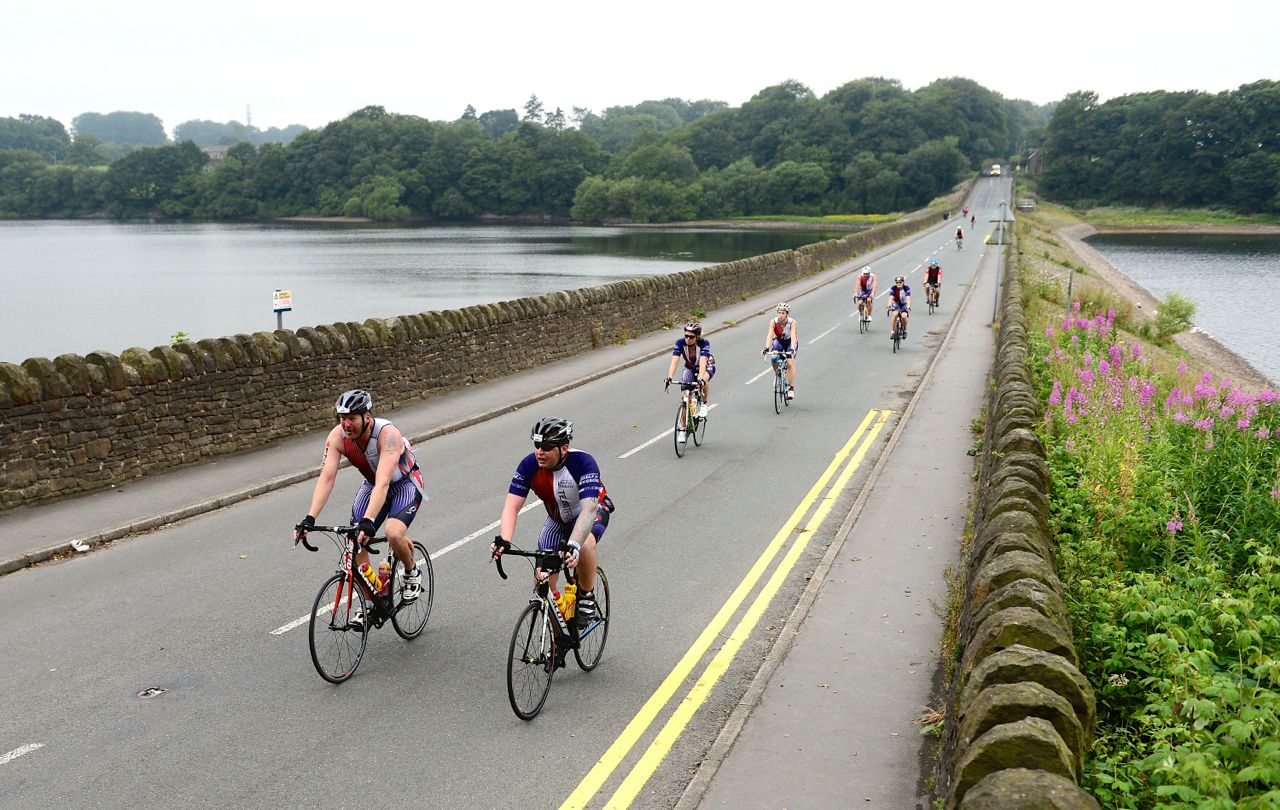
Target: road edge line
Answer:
pixel 697 788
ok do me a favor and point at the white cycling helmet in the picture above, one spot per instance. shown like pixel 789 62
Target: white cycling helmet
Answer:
pixel 866 271
pixel 784 307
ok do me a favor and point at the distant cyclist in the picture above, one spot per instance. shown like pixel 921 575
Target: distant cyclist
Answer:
pixel 933 282
pixel 392 490
pixel 959 238
pixel 568 483
pixel 899 305
pixel 782 336
pixel 699 364
pixel 972 221
pixel 864 292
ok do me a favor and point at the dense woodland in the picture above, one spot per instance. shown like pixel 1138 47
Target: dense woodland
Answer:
pixel 1186 149
pixel 869 146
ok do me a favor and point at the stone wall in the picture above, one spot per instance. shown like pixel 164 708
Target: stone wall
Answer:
pixel 75 424
pixel 1021 717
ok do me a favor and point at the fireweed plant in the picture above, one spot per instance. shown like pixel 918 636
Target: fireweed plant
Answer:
pixel 1166 506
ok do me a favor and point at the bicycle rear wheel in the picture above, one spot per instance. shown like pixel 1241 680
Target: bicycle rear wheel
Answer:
pixel 678 434
pixel 410 617
pixel 336 646
pixel 779 391
pixel 592 639
pixel 531 661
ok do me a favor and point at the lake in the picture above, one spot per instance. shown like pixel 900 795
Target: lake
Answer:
pixel 74 286
pixel 1233 281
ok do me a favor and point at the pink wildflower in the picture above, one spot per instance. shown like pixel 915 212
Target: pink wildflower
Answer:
pixel 1056 396
pixel 1242 423
pixel 1048 331
pixel 1182 367
pixel 1174 526
pixel 1263 433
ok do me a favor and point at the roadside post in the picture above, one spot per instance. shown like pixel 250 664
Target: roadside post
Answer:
pixel 282 302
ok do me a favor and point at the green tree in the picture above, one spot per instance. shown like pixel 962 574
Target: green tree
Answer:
pixel 130 129
pixel 44 136
pixel 86 150
pixel 533 110
pixel 144 182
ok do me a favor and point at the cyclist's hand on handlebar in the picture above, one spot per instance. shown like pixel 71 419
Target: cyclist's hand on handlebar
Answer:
pixel 303 526
pixel 570 555
pixel 365 527
pixel 666 384
pixel 497 547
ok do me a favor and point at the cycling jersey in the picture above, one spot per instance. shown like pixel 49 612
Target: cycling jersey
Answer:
pixel 366 460
pixel 933 275
pixel 782 331
pixel 866 284
pixel 690 354
pixel 898 297
pixel 562 489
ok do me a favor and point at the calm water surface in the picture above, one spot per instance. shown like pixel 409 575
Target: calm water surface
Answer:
pixel 86 286
pixel 1233 280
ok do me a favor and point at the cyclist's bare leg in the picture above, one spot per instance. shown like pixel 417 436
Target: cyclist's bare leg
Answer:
pixel 791 372
pixel 398 538
pixel 587 564
pixel 706 393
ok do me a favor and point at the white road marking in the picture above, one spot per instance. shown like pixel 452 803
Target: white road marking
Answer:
pixel 18 752
pixel 659 437
pixel 824 334
pixel 303 619
pixel 758 376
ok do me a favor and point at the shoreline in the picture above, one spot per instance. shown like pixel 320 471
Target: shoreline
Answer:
pixel 1193 228
pixel 1200 345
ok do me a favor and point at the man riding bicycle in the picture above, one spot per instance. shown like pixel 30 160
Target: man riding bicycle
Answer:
pixel 392 490
pixel 933 282
pixel 864 292
pixel 578 509
pixel 899 306
pixel 698 363
pixel 782 336
pixel 959 236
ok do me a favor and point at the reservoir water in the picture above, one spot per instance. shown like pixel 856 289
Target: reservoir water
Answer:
pixel 72 286
pixel 1233 281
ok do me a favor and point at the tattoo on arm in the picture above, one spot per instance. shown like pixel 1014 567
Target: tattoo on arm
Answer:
pixel 586 519
pixel 391 444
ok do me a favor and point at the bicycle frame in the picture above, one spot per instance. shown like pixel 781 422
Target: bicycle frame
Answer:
pixel 550 564
pixel 384 605
pixel 691 392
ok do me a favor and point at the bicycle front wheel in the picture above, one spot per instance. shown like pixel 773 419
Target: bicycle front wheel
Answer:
pixel 699 430
pixel 336 645
pixel 863 323
pixel 592 639
pixel 410 617
pixel 679 433
pixel 531 661
pixel 897 338
pixel 779 392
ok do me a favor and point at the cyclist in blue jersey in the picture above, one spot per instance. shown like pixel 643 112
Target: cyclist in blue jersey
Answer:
pixel 578 508
pixel 899 306
pixel 699 363
pixel 392 490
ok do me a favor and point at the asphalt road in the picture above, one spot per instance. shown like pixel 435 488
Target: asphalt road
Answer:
pixel 246 722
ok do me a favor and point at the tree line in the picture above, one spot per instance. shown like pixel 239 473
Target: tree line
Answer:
pixel 1179 149
pixel 869 146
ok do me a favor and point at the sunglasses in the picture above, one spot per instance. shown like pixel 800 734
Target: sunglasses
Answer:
pixel 546 447
pixel 689 335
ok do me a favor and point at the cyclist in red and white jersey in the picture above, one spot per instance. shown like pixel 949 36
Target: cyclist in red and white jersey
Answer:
pixel 392 490
pixel 864 289
pixel 783 336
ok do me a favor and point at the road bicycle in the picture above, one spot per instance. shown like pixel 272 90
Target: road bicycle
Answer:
pixel 547 629
pixel 931 293
pixel 688 423
pixel 864 315
pixel 337 643
pixel 959 242
pixel 898 330
pixel 780 385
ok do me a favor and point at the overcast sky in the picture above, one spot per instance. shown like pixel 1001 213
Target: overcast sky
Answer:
pixel 315 62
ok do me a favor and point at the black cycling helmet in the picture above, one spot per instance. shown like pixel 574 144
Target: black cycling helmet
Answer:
pixel 552 429
pixel 694 327
pixel 354 401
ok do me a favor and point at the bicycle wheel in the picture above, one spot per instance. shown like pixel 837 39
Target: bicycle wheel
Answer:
pixel 897 338
pixel 678 434
pixel 932 306
pixel 699 430
pixel 591 642
pixel 531 661
pixel 336 646
pixel 779 392
pixel 863 323
pixel 410 617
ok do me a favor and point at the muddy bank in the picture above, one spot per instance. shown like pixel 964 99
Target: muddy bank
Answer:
pixel 1199 345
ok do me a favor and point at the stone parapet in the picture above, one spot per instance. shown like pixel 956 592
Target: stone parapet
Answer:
pixel 1021 715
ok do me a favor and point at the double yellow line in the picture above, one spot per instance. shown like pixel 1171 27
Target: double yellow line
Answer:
pixel 862 439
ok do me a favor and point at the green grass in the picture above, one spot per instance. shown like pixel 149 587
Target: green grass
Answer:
pixel 1156 217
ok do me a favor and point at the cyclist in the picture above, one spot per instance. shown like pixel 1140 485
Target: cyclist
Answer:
pixel 578 508
pixel 698 362
pixel 933 282
pixel 899 305
pixel 972 221
pixel 782 336
pixel 965 211
pixel 392 490
pixel 864 292
pixel 959 237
